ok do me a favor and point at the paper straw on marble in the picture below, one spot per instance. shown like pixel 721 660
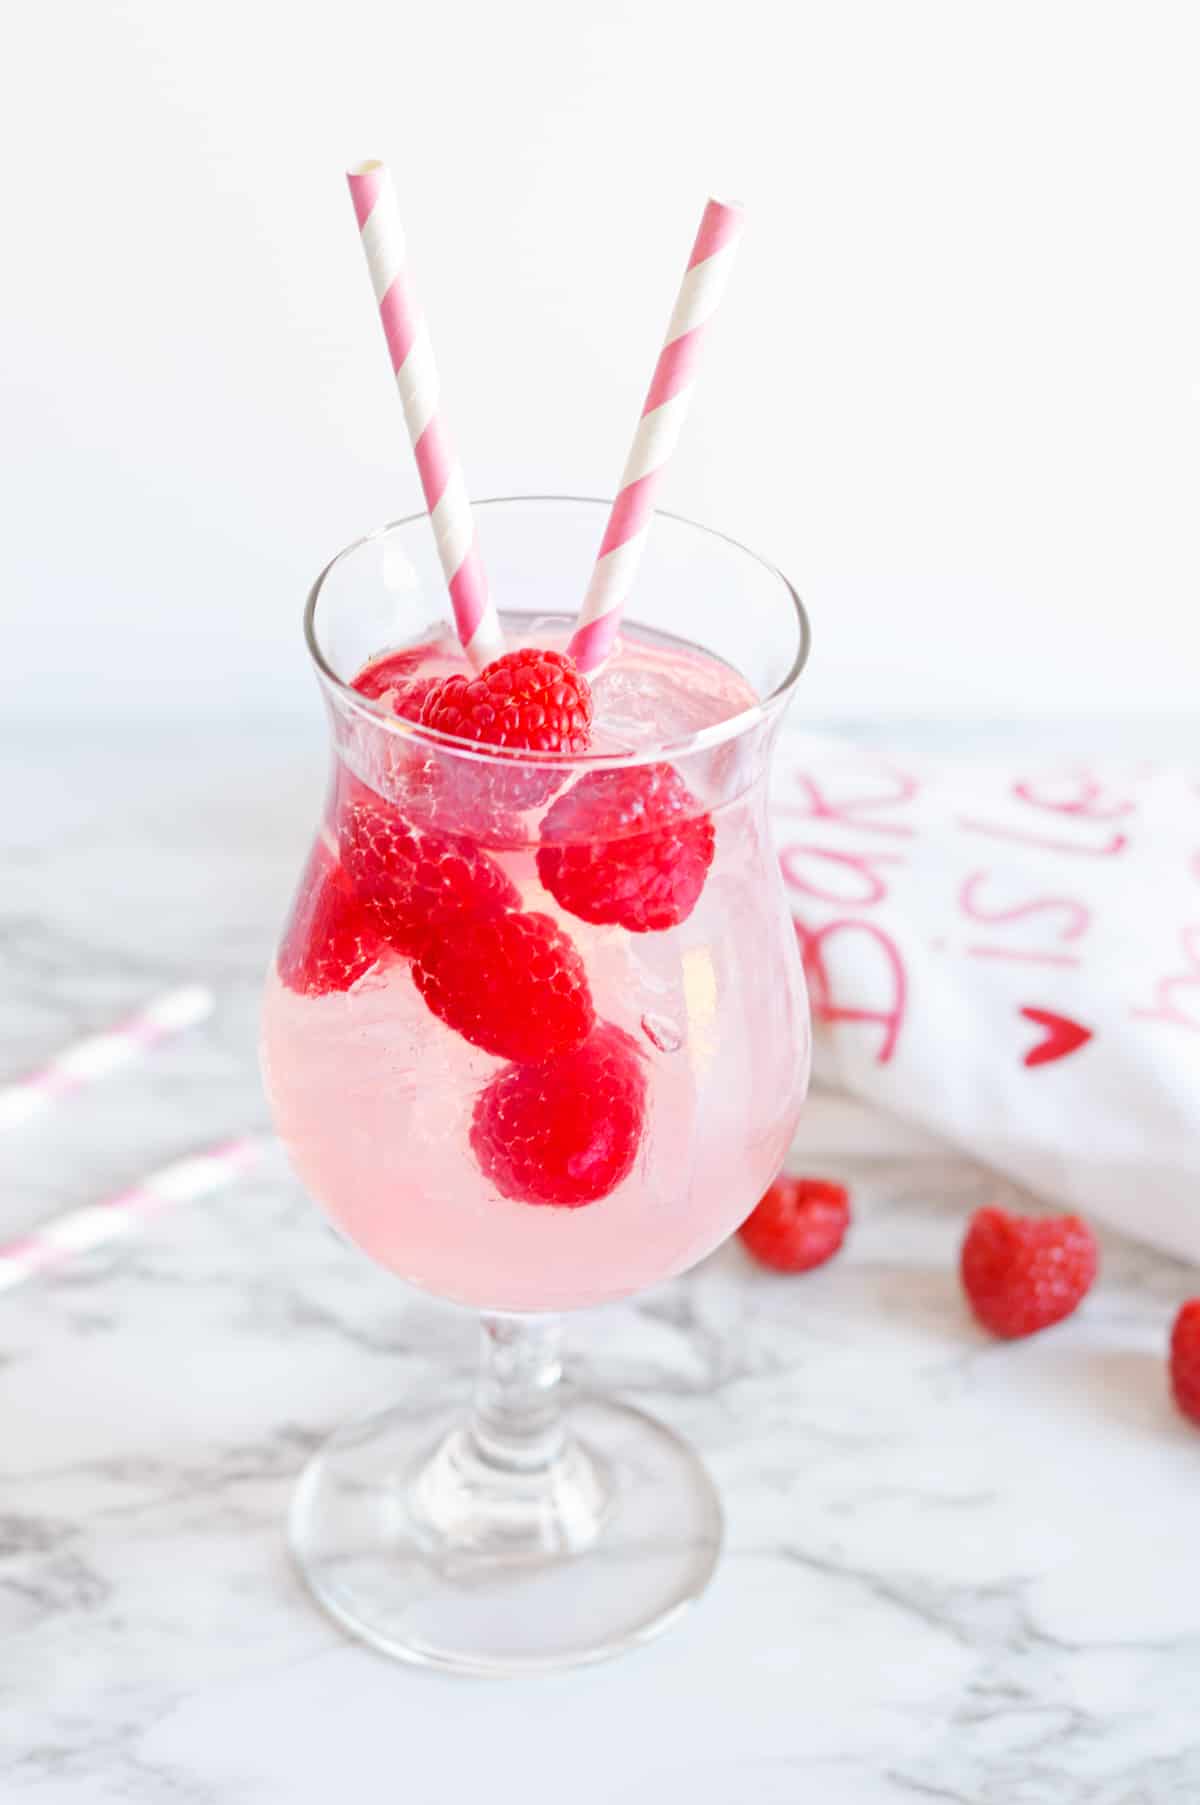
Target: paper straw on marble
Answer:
pixel 97 1055
pixel 661 423
pixel 80 1231
pixel 407 335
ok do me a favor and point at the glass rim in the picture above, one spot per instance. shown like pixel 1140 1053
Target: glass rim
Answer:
pixel 704 738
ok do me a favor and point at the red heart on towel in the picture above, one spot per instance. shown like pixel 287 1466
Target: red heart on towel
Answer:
pixel 1063 1036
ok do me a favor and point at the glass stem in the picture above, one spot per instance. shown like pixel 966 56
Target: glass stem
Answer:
pixel 516 1425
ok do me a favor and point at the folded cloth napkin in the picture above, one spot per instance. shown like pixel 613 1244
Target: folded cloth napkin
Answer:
pixel 1009 959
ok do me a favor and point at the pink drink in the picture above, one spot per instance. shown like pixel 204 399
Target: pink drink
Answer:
pixel 375 1096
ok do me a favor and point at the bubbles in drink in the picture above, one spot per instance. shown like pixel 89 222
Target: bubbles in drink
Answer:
pixel 648 695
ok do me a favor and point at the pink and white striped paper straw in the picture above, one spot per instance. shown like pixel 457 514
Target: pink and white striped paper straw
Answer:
pixel 441 476
pixel 79 1231
pixel 663 414
pixel 99 1054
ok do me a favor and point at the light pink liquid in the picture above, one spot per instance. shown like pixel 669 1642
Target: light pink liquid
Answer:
pixel 373 1095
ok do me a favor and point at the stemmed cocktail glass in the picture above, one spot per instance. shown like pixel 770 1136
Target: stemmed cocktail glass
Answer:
pixel 536 1039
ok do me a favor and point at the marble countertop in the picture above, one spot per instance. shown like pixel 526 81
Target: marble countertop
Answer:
pixel 955 1569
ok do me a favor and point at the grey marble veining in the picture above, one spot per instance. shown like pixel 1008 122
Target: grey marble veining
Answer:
pixel 956 1570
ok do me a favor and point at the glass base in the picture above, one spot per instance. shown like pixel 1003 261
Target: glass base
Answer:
pixel 431 1551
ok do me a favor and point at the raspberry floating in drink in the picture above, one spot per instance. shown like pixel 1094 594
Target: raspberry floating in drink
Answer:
pixel 514 985
pixel 629 847
pixel 331 939
pixel 393 681
pixel 417 881
pixel 528 701
pixel 566 1132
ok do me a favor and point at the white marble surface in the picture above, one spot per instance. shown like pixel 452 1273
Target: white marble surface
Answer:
pixel 955 1570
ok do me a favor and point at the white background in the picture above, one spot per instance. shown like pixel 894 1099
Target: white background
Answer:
pixel 953 389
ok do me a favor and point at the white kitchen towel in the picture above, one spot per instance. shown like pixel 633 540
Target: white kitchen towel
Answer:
pixel 1009 959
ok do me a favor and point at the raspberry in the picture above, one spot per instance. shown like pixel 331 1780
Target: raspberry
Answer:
pixel 1185 1359
pixel 1022 1273
pixel 512 984
pixel 533 701
pixel 526 701
pixel 392 680
pixel 567 1132
pixel 413 880
pixel 330 940
pixel 380 674
pixel 630 847
pixel 799 1224
pixel 408 699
